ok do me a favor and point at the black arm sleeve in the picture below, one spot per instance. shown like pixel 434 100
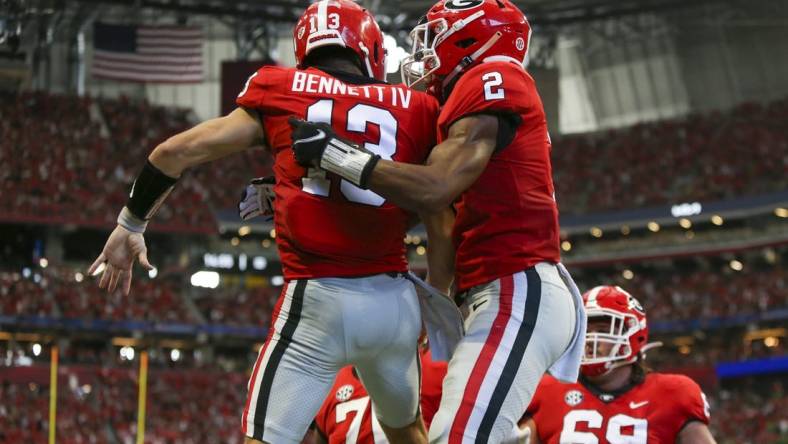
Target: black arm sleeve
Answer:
pixel 149 191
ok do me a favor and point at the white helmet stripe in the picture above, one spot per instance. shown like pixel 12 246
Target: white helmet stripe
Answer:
pixel 592 296
pixel 322 15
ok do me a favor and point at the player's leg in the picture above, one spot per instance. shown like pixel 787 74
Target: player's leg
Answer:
pixel 296 366
pixel 389 366
pixel 517 327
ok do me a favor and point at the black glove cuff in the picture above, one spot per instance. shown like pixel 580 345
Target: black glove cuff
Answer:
pixel 149 191
pixel 367 171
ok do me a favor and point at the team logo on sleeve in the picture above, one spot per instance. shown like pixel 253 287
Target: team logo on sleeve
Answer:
pixel 573 398
pixel 458 5
pixel 344 393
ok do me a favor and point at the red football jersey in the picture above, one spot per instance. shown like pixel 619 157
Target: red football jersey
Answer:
pixel 326 226
pixel 507 220
pixel 346 415
pixel 652 412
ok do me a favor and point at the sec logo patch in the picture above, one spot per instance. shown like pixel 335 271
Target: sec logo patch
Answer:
pixel 573 398
pixel 344 393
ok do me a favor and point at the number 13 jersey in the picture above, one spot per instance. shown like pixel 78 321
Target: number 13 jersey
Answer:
pixel 326 226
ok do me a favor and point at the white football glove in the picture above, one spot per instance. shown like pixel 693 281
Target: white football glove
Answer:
pixel 257 198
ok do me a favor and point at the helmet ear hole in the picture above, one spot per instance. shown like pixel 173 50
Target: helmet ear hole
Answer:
pixel 375 52
pixel 500 4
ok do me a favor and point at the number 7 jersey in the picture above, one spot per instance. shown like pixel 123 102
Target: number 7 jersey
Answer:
pixel 326 226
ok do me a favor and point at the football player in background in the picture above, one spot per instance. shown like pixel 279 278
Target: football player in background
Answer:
pixel 346 415
pixel 524 313
pixel 617 400
pixel 346 300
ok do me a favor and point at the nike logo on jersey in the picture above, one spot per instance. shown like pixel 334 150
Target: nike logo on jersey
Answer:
pixel 637 405
pixel 320 135
pixel 478 304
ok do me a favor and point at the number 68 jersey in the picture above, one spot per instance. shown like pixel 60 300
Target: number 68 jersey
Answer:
pixel 326 226
pixel 652 412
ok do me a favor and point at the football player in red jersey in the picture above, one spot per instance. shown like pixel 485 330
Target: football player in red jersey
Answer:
pixel 345 417
pixel 346 300
pixel 617 400
pixel 493 163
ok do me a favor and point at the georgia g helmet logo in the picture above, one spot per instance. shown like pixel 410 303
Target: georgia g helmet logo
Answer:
pixel 634 304
pixel 462 4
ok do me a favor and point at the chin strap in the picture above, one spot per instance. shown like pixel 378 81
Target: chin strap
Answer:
pixel 650 346
pixel 468 60
pixel 364 49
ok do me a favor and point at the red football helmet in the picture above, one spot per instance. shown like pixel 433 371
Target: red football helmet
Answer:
pixel 627 333
pixel 342 23
pixel 459 34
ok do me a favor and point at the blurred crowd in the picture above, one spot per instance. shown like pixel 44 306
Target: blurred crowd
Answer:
pixel 237 306
pixel 71 160
pixel 698 158
pixel 751 412
pixel 671 295
pixel 54 292
pixel 98 405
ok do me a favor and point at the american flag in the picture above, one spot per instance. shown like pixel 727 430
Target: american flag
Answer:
pixel 167 54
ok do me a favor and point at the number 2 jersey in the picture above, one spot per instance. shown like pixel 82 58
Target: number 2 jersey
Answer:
pixel 326 226
pixel 346 415
pixel 507 220
pixel 652 412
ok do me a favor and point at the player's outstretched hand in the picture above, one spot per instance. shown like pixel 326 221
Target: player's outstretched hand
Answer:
pixel 309 141
pixel 120 251
pixel 257 198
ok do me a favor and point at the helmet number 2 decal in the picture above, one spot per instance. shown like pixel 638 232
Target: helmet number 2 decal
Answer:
pixel 492 82
pixel 462 4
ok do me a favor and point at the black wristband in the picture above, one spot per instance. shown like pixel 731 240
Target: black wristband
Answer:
pixel 367 171
pixel 149 191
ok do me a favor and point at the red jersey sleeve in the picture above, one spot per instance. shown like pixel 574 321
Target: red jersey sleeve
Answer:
pixel 691 401
pixel 261 88
pixel 494 87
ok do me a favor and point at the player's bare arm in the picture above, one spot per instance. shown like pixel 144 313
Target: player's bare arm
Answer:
pixel 210 140
pixel 453 165
pixel 440 249
pixel 695 432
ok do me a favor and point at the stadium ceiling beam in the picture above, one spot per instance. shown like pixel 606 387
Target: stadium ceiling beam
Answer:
pixel 557 13
pixel 271 10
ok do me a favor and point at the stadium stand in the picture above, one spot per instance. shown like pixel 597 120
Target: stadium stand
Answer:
pixel 695 158
pixel 51 141
pixel 62 142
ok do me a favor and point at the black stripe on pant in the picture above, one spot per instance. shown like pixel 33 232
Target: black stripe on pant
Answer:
pixel 293 317
pixel 533 298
